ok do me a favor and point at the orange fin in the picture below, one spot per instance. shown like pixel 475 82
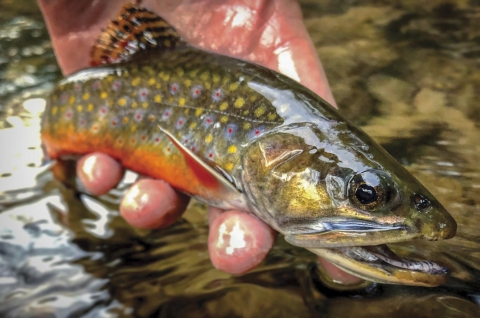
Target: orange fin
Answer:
pixel 134 30
pixel 206 174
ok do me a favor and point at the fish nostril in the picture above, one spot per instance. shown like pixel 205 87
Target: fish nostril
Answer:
pixel 421 203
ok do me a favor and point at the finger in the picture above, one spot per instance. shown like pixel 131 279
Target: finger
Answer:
pixel 338 275
pixel 237 241
pixel 99 173
pixel 152 204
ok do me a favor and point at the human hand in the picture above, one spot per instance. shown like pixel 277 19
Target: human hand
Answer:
pixel 270 33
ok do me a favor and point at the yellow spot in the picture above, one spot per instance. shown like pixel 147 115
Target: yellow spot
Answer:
pixel 110 78
pixel 229 166
pixel 216 78
pixel 187 82
pixel 79 108
pixel 247 125
pixel 152 81
pixel 239 102
pixel 204 75
pixel 186 111
pixel 134 104
pixel 245 112
pixel 208 139
pixel 181 101
pixel 157 99
pixel 193 73
pixel 90 107
pixel 179 72
pixel 136 81
pixel 232 149
pixel 71 100
pixel 86 96
pixel 151 118
pixel 167 43
pixel 125 120
pixel 271 116
pixel 122 102
pixel 226 79
pixel 253 98
pixel 193 125
pixel 207 85
pixel 164 76
pixel 198 112
pixel 133 128
pixel 148 70
pixel 260 111
pixel 158 86
pixel 54 110
pixel 224 106
pixel 224 119
pixel 103 95
pixel 233 86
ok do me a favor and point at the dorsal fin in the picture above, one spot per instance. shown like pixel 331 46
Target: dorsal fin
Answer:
pixel 134 30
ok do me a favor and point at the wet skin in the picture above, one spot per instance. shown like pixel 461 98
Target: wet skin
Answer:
pixel 266 33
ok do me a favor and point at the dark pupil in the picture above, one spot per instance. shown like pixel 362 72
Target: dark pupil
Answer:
pixel 366 194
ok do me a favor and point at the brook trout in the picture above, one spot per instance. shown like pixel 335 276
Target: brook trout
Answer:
pixel 239 136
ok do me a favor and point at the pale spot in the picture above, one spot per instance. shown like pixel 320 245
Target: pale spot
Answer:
pixel 216 78
pixel 229 166
pixel 181 101
pixel 79 108
pixel 187 82
pixel 144 104
pixel 198 112
pixel 232 149
pixel 71 100
pixel 233 86
pixel 239 102
pixel 134 105
pixel 125 120
pixel 86 96
pixel 193 125
pixel 152 81
pixel 122 102
pixel 208 138
pixel 103 95
pixel 90 107
pixel 247 126
pixel 157 99
pixel 259 111
pixel 239 17
pixel 54 110
pixel 205 75
pixel 224 106
pixel 224 119
pixel 135 81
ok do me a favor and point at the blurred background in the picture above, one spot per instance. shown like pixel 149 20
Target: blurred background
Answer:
pixel 408 72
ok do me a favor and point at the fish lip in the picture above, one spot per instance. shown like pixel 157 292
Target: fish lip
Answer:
pixel 380 264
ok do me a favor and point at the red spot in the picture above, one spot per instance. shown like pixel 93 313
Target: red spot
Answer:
pixel 82 122
pixel 180 122
pixel 167 114
pixel 157 139
pixel 95 128
pixel 257 132
pixel 132 140
pixel 197 92
pixel 230 130
pixel 210 155
pixel 143 137
pixel 144 94
pixel 209 120
pixel 68 115
pixel 186 140
pixel 120 141
pixel 103 110
pixel 217 94
pixel 114 123
pixel 193 148
pixel 168 149
pixel 139 116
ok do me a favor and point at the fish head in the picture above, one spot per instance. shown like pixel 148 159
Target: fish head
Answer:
pixel 329 188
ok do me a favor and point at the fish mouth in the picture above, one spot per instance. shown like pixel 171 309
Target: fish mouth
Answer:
pixel 379 263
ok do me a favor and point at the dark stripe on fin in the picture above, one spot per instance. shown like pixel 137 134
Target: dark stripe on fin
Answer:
pixel 134 30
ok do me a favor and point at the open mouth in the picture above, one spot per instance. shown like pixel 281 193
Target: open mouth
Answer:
pixel 380 264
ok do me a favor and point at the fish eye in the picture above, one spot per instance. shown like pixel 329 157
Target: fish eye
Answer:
pixel 370 190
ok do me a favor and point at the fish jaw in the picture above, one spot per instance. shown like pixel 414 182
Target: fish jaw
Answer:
pixel 379 264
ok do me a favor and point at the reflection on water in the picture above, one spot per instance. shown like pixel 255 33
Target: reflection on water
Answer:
pixel 408 73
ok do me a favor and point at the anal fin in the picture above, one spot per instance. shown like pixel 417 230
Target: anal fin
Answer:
pixel 134 30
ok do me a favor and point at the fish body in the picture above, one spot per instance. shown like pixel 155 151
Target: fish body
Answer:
pixel 237 135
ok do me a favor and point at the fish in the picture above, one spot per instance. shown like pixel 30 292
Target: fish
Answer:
pixel 237 135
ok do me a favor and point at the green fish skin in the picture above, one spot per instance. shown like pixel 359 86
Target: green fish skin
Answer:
pixel 237 135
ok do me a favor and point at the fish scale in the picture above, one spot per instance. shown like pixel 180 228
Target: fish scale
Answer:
pixel 209 110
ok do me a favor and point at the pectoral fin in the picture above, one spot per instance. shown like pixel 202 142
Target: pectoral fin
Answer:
pixel 220 186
